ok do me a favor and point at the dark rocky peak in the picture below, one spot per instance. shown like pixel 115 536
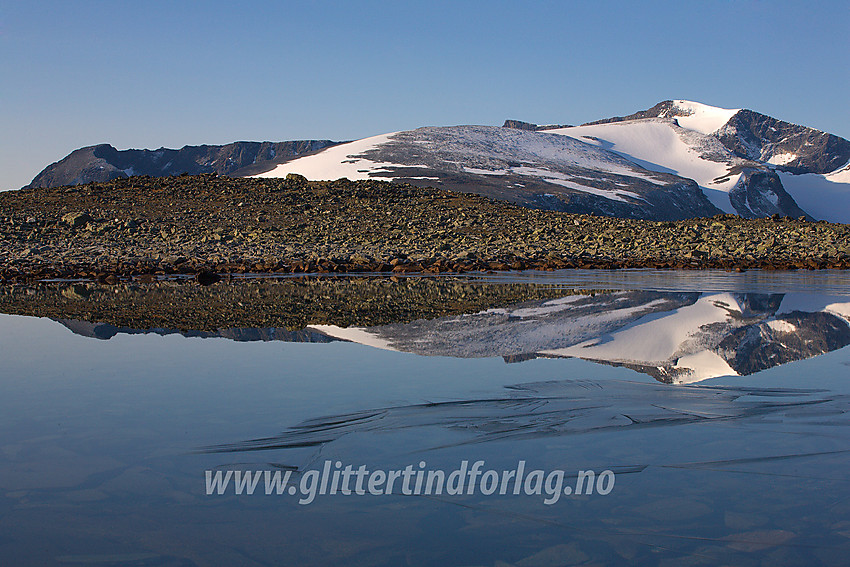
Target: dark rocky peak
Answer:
pixel 103 162
pixel 789 147
pixel 519 125
pixel 760 193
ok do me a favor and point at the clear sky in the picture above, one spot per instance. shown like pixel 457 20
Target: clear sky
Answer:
pixel 147 74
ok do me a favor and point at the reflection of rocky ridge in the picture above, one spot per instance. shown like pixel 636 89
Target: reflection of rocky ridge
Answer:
pixel 723 334
pixel 106 331
pixel 525 328
pixel 284 303
pixel 793 336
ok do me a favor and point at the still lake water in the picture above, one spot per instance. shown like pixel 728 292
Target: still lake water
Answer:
pixel 712 408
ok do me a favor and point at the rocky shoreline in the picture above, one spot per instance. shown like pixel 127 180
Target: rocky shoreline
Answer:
pixel 143 227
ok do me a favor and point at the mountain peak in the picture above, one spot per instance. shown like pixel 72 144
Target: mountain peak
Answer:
pixel 690 115
pixel 700 117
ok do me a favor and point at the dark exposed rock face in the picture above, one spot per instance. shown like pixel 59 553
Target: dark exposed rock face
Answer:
pixel 519 125
pixel 664 109
pixel 754 136
pixel 761 194
pixel 103 162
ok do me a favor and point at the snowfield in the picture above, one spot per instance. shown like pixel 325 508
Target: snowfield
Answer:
pixel 658 145
pixel 484 151
pixel 702 118
pixel 825 197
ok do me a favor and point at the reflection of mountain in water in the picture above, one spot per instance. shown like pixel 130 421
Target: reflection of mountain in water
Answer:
pixel 673 336
pixel 106 331
pixel 522 329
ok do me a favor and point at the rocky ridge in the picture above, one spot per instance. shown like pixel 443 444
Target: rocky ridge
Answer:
pixel 149 226
pixel 103 162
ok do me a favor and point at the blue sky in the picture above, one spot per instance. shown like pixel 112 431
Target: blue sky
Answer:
pixel 151 74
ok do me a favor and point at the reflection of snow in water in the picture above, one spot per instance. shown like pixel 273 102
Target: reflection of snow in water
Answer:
pixel 674 337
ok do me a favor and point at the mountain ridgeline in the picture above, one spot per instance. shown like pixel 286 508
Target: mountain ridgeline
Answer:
pixel 758 137
pixel 103 162
pixel 673 161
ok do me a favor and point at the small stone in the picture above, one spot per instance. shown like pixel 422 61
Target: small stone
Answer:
pixel 206 278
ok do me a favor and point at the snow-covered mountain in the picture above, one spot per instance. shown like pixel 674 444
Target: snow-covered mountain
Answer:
pixel 745 162
pixel 537 169
pixel 678 159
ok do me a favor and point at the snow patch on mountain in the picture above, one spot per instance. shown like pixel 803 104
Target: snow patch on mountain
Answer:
pixel 569 181
pixel 701 366
pixel 840 175
pixel 781 326
pixel 841 309
pixel 782 159
pixel 338 161
pixel 700 117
